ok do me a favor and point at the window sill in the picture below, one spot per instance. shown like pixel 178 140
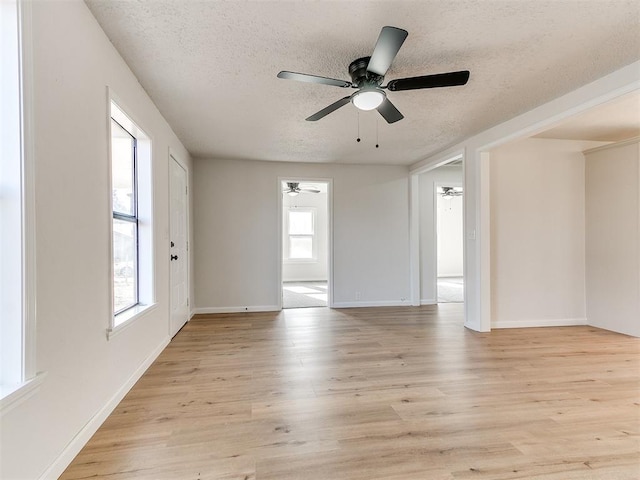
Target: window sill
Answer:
pixel 293 261
pixel 125 319
pixel 12 396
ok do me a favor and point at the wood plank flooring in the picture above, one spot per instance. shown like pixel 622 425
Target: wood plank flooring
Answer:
pixel 384 393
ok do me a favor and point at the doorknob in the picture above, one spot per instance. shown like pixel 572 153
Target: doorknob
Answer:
pixel 174 257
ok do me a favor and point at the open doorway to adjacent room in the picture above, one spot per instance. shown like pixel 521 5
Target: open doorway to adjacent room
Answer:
pixel 305 243
pixel 440 220
pixel 449 241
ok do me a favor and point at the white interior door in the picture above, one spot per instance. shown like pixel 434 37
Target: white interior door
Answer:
pixel 178 247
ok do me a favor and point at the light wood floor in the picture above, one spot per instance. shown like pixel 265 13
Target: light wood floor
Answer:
pixel 384 393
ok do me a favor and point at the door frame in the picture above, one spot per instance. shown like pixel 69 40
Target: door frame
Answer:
pixel 176 158
pixel 280 222
pixel 437 184
pixel 476 149
pixel 415 244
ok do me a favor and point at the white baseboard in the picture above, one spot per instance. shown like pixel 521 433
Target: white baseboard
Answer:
pixel 381 303
pixel 253 308
pixel 83 436
pixel 430 301
pixel 551 322
pixel 631 327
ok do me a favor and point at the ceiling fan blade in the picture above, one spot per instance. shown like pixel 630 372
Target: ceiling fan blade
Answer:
pixel 303 77
pixel 450 79
pixel 389 42
pixel 390 113
pixel 310 190
pixel 327 110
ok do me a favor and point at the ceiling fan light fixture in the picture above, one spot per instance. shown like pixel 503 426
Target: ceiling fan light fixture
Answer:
pixel 367 74
pixel 368 99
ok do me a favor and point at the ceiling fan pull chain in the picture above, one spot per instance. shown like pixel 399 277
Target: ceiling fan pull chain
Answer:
pixel 358 139
pixel 377 143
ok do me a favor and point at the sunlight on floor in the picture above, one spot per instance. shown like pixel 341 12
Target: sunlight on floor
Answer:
pixel 304 294
pixel 450 290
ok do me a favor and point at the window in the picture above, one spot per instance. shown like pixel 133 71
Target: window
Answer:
pixel 131 240
pixel 17 259
pixel 125 218
pixel 301 242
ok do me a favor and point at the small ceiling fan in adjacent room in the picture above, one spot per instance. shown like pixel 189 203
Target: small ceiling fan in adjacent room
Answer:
pixel 449 192
pixel 367 75
pixel 293 189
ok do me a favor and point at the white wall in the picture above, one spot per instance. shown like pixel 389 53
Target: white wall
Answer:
pixel 236 246
pixel 295 271
pixel 450 241
pixel 537 233
pixel 73 63
pixel 477 204
pixel 427 236
pixel 613 238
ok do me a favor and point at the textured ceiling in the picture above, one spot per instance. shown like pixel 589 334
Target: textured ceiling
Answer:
pixel 612 122
pixel 210 67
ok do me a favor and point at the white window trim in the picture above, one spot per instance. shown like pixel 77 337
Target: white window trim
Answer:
pixel 146 234
pixel 12 395
pixel 128 317
pixel 29 197
pixel 314 236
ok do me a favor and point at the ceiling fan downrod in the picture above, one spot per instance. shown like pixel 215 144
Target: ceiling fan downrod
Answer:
pixel 367 75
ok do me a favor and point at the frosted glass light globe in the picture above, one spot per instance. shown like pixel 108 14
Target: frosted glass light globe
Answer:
pixel 368 99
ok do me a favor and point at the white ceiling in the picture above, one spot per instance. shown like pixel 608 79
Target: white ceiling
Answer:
pixel 612 122
pixel 210 67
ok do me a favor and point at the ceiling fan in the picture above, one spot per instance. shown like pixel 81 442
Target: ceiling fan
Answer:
pixel 367 74
pixel 293 189
pixel 449 192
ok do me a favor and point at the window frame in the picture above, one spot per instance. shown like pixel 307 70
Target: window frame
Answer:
pixel 26 379
pixel 288 236
pixel 144 200
pixel 129 218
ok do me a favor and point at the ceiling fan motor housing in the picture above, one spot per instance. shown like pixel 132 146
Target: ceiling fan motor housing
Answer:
pixel 360 77
pixel 367 74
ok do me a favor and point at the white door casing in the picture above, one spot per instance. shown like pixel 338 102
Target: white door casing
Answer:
pixel 280 216
pixel 178 247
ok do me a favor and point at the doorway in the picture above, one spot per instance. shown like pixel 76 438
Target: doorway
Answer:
pixel 449 243
pixel 435 216
pixel 179 246
pixel 305 220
